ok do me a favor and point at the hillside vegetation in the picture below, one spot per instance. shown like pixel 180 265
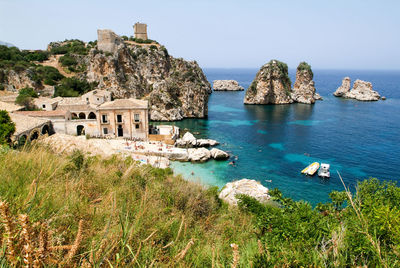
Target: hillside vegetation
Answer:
pixel 80 210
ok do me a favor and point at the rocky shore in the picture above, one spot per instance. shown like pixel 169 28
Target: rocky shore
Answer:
pixel 361 90
pixel 231 190
pixel 227 85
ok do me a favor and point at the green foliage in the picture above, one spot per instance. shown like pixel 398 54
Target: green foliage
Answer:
pixel 141 41
pixel 37 55
pixel 283 73
pixel 164 49
pixel 2 87
pixel 25 96
pixel 253 87
pixel 304 66
pixel 124 37
pixel 49 75
pixel 68 61
pixel 153 47
pixel 73 87
pixel 70 46
pixel 7 127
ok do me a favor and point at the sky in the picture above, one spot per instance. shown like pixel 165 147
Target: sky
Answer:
pixel 328 34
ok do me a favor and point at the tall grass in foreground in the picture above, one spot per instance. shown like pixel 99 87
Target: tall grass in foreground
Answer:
pixel 80 210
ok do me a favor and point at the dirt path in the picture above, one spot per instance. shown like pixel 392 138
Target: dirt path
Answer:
pixel 53 62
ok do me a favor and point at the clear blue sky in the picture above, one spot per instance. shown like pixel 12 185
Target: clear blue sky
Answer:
pixel 329 34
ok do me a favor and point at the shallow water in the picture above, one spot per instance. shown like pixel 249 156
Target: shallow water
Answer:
pixel 275 142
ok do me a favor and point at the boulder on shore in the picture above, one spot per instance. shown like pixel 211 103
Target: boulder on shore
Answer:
pixel 361 90
pixel 271 86
pixel 227 85
pixel 189 141
pixel 218 154
pixel 199 154
pixel 245 186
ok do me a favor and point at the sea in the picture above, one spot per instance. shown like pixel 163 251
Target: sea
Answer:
pixel 273 143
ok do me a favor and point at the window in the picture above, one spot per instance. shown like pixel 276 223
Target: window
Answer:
pixel 136 117
pixel 119 118
pixel 137 126
pixel 87 99
pixel 97 98
pixel 104 118
pixel 105 131
pixel 44 105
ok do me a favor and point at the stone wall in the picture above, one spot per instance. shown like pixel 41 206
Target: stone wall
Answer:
pixel 107 40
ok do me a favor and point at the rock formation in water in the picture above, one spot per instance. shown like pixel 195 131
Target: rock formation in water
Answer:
pixel 226 85
pixel 344 88
pixel 189 141
pixel 361 91
pixel 271 86
pixel 304 89
pixel 245 186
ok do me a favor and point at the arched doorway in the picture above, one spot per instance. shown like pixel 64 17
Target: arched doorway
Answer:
pixel 34 135
pixel 82 116
pixel 80 130
pixel 92 115
pixel 22 140
pixel 45 130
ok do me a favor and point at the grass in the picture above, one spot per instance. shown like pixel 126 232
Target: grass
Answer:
pixel 88 211
pixel 99 212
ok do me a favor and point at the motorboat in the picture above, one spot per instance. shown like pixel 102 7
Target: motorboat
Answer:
pixel 324 171
pixel 311 169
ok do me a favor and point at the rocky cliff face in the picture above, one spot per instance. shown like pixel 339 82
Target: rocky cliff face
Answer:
pixel 176 88
pixel 304 89
pixel 271 86
pixel 361 91
pixel 21 79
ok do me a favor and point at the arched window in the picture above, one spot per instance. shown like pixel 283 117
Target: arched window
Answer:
pixel 45 129
pixel 22 140
pixel 74 116
pixel 82 116
pixel 34 135
pixel 92 115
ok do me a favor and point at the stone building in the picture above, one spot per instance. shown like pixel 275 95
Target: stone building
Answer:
pixel 140 30
pixel 107 40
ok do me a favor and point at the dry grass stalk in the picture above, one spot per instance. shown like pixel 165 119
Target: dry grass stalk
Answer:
pixel 235 255
pixel 260 247
pixel 182 254
pixel 9 231
pixel 77 243
pixel 180 228
pixel 42 252
pixel 28 245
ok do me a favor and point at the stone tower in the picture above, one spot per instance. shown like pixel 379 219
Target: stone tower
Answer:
pixel 107 40
pixel 140 30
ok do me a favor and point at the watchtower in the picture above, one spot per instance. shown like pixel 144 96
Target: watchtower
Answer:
pixel 140 30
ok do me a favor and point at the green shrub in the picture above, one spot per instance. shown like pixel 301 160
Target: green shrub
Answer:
pixel 25 96
pixel 2 87
pixel 67 60
pixel 7 127
pixel 73 87
pixel 71 46
pixel 37 55
pixel 304 66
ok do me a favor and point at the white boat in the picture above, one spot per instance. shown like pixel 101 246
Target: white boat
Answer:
pixel 324 171
pixel 311 169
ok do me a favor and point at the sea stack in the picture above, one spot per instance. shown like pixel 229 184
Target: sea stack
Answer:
pixel 362 90
pixel 344 88
pixel 304 89
pixel 271 85
pixel 227 85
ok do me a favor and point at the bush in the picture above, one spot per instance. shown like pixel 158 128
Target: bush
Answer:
pixel 38 55
pixel 2 87
pixel 48 74
pixel 67 60
pixel 304 66
pixel 73 87
pixel 7 127
pixel 25 96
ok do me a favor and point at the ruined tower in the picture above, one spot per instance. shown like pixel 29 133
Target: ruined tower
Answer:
pixel 140 30
pixel 107 40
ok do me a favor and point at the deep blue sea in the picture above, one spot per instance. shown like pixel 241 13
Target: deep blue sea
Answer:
pixel 274 143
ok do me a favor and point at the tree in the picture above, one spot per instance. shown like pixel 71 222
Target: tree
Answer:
pixel 25 98
pixel 7 127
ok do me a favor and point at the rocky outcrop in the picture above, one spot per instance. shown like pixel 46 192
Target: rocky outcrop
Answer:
pixel 303 88
pixel 271 85
pixel 189 141
pixel 21 79
pixel 344 88
pixel 245 186
pixel 361 91
pixel 218 154
pixel 199 154
pixel 226 85
pixel 175 88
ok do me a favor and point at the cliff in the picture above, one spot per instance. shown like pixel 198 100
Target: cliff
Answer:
pixel 175 88
pixel 271 85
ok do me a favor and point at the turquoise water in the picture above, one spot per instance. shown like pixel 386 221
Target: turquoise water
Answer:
pixel 273 143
